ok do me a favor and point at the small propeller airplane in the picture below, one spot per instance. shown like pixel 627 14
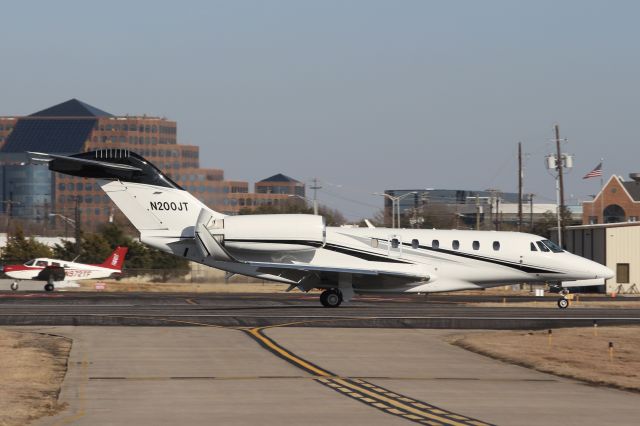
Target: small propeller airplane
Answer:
pixel 61 273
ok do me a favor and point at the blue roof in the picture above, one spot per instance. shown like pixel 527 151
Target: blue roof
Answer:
pixel 49 135
pixel 279 178
pixel 62 128
pixel 71 108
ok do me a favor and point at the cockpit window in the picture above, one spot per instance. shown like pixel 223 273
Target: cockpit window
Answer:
pixel 41 263
pixel 542 246
pixel 533 247
pixel 30 263
pixel 553 246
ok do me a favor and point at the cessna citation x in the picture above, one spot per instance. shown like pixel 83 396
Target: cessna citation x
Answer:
pixel 299 250
pixel 61 273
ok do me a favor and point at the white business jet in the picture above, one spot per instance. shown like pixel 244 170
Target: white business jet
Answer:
pixel 299 250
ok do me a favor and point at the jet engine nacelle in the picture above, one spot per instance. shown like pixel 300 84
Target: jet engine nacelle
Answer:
pixel 290 232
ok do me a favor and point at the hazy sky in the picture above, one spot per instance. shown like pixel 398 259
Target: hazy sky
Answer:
pixel 369 95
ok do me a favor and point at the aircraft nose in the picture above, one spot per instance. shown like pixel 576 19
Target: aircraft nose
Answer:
pixel 605 273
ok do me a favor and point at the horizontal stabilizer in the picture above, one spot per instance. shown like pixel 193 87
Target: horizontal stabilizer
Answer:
pixel 78 162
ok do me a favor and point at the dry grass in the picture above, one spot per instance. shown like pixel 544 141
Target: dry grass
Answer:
pixel 572 352
pixel 32 367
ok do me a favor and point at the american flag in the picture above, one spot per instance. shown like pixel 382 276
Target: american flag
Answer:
pixel 597 171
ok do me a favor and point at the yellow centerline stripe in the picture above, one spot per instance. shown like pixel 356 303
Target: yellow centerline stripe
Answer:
pixel 398 404
pixel 269 343
pixel 378 393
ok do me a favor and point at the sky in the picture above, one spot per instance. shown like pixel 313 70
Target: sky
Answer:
pixel 365 95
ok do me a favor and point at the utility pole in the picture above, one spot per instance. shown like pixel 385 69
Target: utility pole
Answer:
pixel 520 178
pixel 497 212
pixel 559 167
pixel 531 212
pixel 77 220
pixel 477 212
pixel 315 187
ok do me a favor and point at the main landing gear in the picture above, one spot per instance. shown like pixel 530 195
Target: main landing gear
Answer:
pixel 48 287
pixel 563 302
pixel 331 298
pixel 14 285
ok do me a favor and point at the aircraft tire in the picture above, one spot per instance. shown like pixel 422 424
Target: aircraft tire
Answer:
pixel 14 286
pixel 331 298
pixel 48 287
pixel 563 303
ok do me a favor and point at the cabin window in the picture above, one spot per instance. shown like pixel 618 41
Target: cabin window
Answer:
pixel 455 244
pixel 622 273
pixel 374 242
pixel 395 243
pixel 415 244
pixel 542 247
pixel 533 247
pixel 496 245
pixel 435 244
pixel 41 263
pixel 476 245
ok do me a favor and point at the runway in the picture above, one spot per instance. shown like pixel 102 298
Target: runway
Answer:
pixel 320 376
pixel 194 358
pixel 295 309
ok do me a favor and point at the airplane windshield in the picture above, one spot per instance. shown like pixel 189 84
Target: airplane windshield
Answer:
pixel 542 246
pixel 30 263
pixel 553 246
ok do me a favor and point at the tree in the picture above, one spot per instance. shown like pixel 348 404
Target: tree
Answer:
pixel 21 249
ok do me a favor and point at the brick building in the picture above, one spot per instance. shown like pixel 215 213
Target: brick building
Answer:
pixel 617 201
pixel 280 184
pixel 31 191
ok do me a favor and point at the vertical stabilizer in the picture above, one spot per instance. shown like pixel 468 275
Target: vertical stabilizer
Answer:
pixel 115 259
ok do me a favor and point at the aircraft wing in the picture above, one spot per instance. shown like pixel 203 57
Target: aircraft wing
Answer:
pixel 209 246
pixel 413 273
pixel 51 273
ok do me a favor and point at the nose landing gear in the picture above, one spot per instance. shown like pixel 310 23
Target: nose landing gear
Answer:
pixel 331 298
pixel 14 285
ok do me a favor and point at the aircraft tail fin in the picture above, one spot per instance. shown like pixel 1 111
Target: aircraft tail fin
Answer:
pixel 149 198
pixel 115 259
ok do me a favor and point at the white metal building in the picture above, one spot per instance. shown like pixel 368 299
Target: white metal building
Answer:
pixel 616 245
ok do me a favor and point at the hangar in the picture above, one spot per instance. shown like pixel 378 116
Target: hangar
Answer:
pixel 616 245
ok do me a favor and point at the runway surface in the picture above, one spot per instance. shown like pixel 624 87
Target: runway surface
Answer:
pixel 319 376
pixel 258 310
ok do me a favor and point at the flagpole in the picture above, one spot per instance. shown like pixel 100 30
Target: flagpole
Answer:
pixel 602 189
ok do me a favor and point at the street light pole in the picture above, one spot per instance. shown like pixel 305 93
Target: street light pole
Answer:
pixel 395 205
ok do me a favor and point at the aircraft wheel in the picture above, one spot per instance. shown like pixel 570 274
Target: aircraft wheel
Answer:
pixel 48 287
pixel 14 285
pixel 331 298
pixel 563 303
